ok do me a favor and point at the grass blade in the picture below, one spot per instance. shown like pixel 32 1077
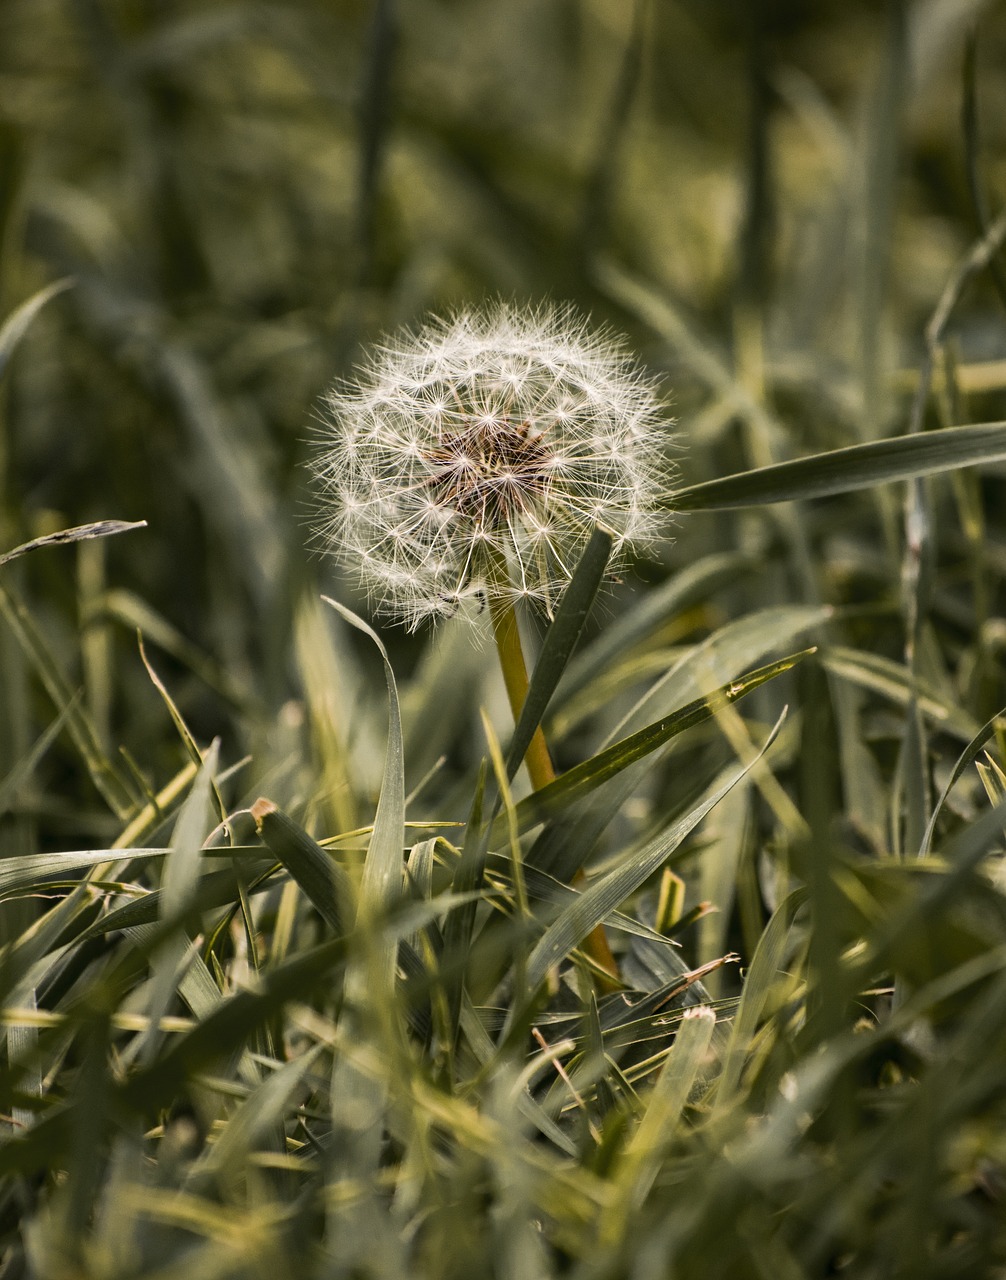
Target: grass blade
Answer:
pixel 580 781
pixel 323 881
pixel 560 640
pixel 19 321
pixel 609 892
pixel 80 533
pixel 859 466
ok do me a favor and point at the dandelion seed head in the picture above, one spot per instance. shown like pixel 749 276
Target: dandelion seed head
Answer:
pixel 495 438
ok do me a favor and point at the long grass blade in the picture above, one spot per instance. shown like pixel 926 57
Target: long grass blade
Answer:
pixel 859 466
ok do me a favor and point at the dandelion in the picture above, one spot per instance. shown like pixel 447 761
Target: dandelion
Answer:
pixel 473 459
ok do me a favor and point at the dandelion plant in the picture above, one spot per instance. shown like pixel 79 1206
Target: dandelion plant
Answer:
pixel 474 457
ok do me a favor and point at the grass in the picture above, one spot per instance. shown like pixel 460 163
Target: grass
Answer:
pixel 293 978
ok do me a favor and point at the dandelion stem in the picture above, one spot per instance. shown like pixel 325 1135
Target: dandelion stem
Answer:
pixel 538 760
pixel 511 655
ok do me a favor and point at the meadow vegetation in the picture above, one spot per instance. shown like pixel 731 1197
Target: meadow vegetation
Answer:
pixel 296 972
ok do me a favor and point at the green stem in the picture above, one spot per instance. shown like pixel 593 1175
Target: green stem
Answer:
pixel 538 760
pixel 514 668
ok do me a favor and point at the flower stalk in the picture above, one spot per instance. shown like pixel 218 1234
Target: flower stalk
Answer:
pixel 538 759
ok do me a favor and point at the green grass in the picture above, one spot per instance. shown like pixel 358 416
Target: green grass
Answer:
pixel 291 967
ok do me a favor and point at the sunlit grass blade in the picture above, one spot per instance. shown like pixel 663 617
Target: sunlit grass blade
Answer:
pixel 859 466
pixel 693 583
pixel 179 884
pixel 580 781
pixel 610 891
pixel 642 1156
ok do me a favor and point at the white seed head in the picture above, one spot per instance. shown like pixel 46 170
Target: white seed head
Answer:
pixel 489 445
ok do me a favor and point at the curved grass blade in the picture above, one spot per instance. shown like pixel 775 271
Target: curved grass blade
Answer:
pixel 609 892
pixel 578 782
pixel 676 594
pixel 19 321
pixel 80 533
pixel 967 757
pixel 358 1100
pixel 261 1113
pixel 381 882
pixel 758 984
pixel 859 466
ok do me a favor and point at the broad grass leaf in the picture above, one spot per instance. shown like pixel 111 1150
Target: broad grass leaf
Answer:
pixel 896 683
pixel 693 583
pixel 859 466
pixel 759 984
pixel 644 1153
pixel 719 658
pixel 579 782
pixel 22 1060
pixel 40 870
pixel 610 891
pixel 323 881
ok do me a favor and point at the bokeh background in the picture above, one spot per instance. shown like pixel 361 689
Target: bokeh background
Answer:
pixel 767 197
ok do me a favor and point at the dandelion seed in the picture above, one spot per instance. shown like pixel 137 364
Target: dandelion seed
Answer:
pixel 477 455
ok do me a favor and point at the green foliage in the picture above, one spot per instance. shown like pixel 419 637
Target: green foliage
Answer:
pixel 292 965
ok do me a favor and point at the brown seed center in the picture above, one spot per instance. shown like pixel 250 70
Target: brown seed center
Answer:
pixel 489 472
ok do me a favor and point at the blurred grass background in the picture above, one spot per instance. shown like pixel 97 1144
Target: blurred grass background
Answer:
pixel 245 194
pixel 767 197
